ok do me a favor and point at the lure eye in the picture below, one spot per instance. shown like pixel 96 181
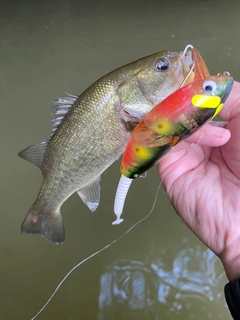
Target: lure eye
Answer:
pixel 162 64
pixel 209 86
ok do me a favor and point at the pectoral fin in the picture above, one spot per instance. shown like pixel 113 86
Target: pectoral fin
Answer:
pixel 90 194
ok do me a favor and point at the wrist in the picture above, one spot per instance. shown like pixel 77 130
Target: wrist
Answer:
pixel 230 258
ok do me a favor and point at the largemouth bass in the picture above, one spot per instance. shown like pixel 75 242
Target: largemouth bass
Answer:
pixel 91 131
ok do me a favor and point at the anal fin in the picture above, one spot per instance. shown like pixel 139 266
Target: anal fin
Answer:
pixel 90 194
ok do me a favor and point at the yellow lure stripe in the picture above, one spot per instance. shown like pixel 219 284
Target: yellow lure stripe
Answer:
pixel 204 101
pixel 219 108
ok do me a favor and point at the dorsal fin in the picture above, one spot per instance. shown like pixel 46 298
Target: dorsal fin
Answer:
pixel 34 153
pixel 61 106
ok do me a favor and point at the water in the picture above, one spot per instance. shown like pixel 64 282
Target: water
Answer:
pixel 159 270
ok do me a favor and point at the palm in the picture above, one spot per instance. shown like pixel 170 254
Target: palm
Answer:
pixel 202 180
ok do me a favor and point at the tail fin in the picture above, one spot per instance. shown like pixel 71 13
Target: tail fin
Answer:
pixel 49 226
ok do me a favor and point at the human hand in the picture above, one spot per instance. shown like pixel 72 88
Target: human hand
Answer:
pixel 201 176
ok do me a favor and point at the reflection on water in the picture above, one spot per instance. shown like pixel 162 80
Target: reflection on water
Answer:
pixel 135 289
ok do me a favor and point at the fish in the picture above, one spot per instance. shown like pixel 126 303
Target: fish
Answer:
pixel 174 119
pixel 91 131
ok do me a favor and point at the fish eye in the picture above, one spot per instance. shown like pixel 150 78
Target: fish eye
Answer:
pixel 209 86
pixel 162 64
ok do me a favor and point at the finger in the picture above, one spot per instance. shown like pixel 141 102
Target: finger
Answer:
pixel 231 112
pixel 231 107
pixel 182 158
pixel 212 134
pixel 231 151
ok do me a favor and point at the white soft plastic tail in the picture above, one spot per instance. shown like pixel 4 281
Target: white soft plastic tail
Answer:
pixel 122 190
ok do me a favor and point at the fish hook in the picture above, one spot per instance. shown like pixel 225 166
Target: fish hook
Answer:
pixel 189 46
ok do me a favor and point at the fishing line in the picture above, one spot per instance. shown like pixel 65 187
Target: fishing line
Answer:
pixel 114 241
pixel 132 227
pixel 97 252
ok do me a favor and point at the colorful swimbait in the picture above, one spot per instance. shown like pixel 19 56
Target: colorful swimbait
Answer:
pixel 174 119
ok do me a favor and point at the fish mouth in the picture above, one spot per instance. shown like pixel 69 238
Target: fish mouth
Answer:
pixel 193 59
pixel 200 69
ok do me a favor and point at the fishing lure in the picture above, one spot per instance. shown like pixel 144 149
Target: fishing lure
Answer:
pixel 177 117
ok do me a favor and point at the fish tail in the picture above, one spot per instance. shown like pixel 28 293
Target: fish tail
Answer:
pixel 50 225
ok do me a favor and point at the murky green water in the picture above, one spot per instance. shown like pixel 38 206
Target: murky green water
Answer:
pixel 157 271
